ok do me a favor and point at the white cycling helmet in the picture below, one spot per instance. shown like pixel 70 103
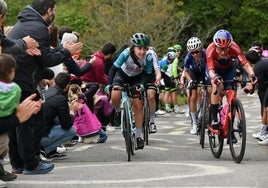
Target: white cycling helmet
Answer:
pixel 193 44
pixel 171 55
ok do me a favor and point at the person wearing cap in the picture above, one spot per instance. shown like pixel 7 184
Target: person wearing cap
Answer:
pixel 128 68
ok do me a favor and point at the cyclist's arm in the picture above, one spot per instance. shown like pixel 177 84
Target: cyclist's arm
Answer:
pixel 187 63
pixel 210 62
pixel 122 58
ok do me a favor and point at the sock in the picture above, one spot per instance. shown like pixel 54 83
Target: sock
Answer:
pixel 167 106
pixel 193 116
pixel 152 117
pixel 118 110
pixel 138 132
pixel 214 108
pixel 263 129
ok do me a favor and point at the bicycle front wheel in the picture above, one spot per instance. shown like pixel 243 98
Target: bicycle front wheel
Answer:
pixel 127 131
pixel 146 122
pixel 215 141
pixel 237 131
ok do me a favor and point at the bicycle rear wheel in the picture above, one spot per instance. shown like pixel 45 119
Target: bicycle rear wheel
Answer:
pixel 127 131
pixel 215 141
pixel 146 122
pixel 237 131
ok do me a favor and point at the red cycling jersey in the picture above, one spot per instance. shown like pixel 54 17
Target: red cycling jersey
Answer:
pixel 214 60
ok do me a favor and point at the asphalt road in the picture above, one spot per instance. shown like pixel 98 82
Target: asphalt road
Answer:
pixel 173 158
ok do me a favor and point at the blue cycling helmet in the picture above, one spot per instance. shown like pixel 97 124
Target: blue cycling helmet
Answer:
pixel 140 39
pixel 222 38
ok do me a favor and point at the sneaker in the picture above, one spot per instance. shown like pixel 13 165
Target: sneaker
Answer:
pixel 6 161
pixel 110 128
pixel 168 110
pixel 178 110
pixel 140 143
pixel 187 114
pixel 70 143
pixel 160 112
pixel 56 155
pixel 193 131
pixel 91 139
pixel 17 170
pixel 3 184
pixel 43 156
pixel 42 168
pixel 263 143
pixel 61 149
pixel 259 136
pixel 6 176
pixel 80 139
pixel 152 128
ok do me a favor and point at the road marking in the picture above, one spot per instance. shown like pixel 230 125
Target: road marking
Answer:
pixel 83 148
pixel 194 170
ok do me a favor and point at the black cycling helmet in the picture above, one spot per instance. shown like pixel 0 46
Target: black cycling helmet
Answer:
pixel 253 56
pixel 140 39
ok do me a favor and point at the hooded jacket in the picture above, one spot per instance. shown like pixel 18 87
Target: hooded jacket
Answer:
pixel 97 71
pixel 56 109
pixel 29 68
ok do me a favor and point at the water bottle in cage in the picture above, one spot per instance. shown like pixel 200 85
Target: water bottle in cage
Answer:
pixel 223 113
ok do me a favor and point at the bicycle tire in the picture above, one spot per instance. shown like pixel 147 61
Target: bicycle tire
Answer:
pixel 204 121
pixel 237 131
pixel 126 132
pixel 215 141
pixel 146 122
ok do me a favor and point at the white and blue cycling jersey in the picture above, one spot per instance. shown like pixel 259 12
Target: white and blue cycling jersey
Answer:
pixel 127 65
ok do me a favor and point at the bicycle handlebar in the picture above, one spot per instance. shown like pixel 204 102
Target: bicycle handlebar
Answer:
pixel 234 81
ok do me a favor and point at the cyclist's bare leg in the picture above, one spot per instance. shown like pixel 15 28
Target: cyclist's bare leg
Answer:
pixel 167 100
pixel 137 109
pixel 116 98
pixel 193 110
pixel 215 100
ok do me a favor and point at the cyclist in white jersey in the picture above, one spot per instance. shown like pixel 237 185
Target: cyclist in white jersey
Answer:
pixel 128 69
pixel 151 81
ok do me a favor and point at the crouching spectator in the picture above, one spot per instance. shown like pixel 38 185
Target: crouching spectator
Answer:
pixel 59 117
pixel 86 123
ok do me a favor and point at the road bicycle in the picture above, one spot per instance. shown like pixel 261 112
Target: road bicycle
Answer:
pixel 203 112
pixel 127 125
pixel 232 125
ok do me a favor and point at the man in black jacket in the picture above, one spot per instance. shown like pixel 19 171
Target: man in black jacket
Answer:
pixel 59 122
pixel 24 144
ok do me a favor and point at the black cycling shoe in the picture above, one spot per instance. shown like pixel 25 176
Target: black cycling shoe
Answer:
pixel 215 125
pixel 139 143
pixel 234 140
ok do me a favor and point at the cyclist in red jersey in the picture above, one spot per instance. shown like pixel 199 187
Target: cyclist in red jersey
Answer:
pixel 220 66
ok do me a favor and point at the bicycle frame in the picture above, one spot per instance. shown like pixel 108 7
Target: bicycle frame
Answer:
pixel 125 100
pixel 231 95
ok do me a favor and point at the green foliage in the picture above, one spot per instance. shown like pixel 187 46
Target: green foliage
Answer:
pixel 166 22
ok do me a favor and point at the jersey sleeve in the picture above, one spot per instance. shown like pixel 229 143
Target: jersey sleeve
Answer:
pixel 122 58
